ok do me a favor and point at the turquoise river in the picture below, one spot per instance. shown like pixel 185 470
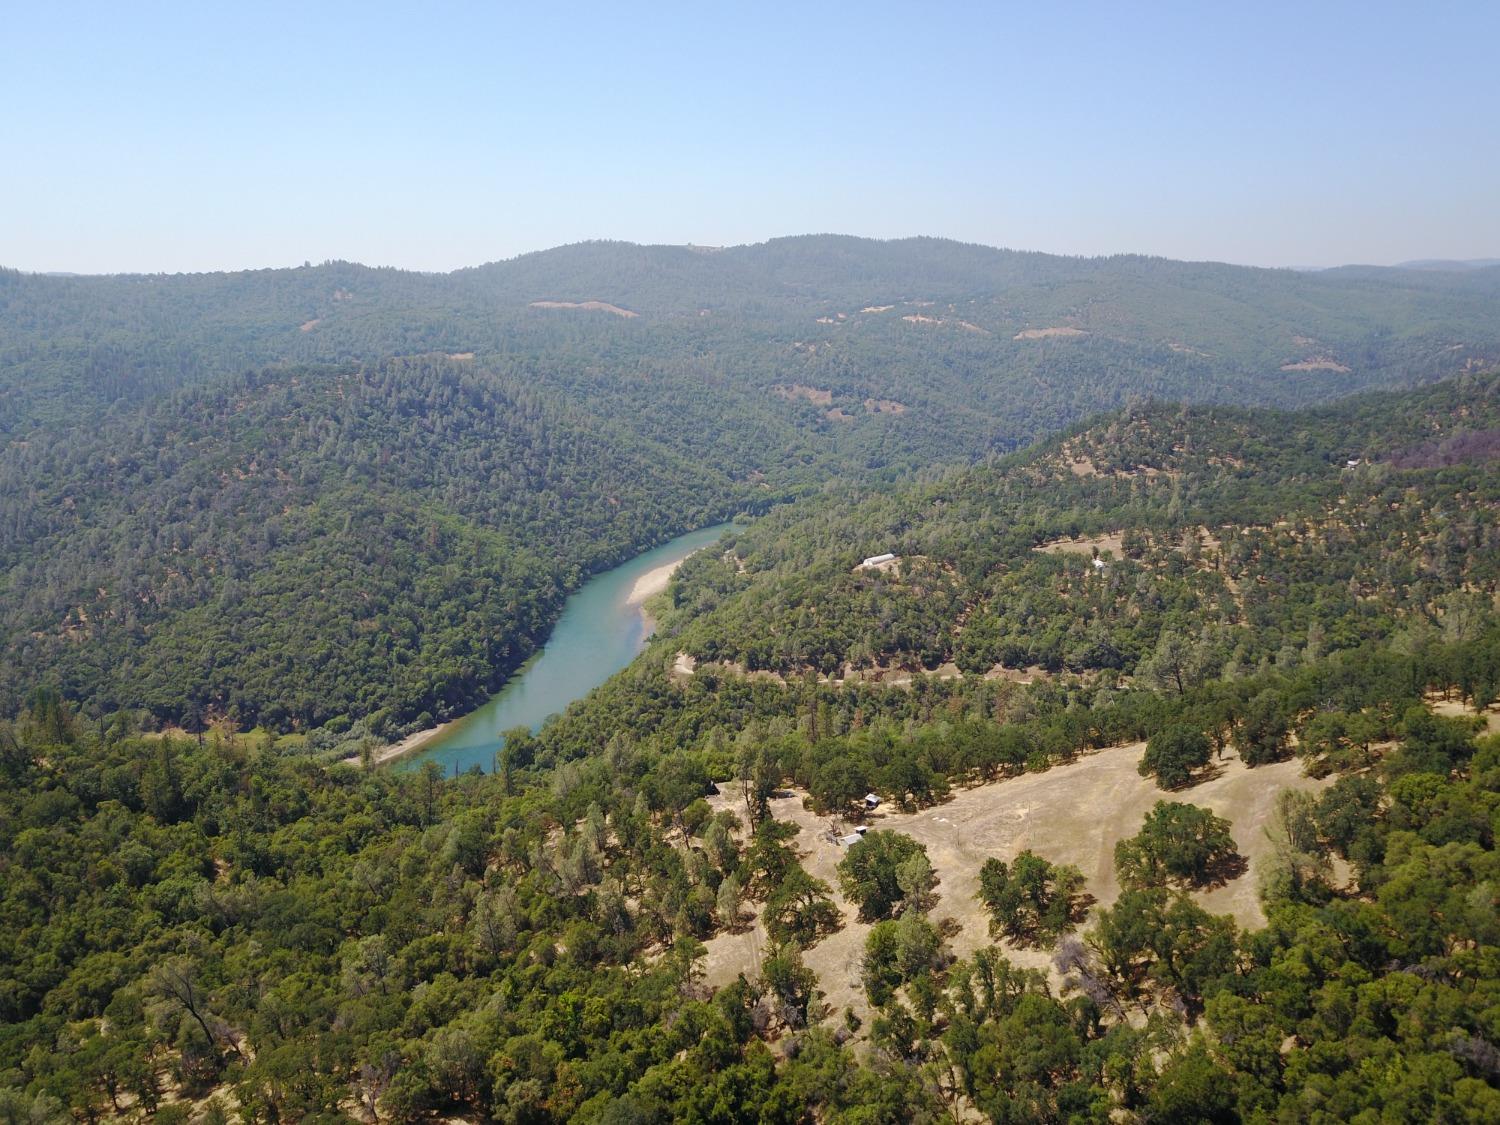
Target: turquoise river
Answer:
pixel 601 630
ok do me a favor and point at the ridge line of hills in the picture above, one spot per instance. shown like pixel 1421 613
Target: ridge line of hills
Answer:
pixel 181 462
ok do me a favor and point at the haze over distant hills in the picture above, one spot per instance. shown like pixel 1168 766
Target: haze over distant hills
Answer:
pixel 1449 264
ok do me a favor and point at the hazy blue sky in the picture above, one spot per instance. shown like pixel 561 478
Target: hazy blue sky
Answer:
pixel 140 136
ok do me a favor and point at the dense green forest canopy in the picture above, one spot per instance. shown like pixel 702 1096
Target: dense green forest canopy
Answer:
pixel 952 331
pixel 213 924
pixel 1161 542
pixel 194 928
pixel 335 492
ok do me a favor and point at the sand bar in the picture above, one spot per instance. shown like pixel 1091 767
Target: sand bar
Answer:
pixel 408 745
pixel 651 583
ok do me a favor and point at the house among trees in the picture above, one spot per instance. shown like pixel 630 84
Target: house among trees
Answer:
pixel 871 801
pixel 875 561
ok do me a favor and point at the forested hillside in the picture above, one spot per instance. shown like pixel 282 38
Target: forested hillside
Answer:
pixel 194 929
pixel 1163 541
pixel 298 544
pixel 988 347
pixel 289 496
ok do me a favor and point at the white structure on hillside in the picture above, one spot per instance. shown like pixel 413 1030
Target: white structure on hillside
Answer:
pixel 877 560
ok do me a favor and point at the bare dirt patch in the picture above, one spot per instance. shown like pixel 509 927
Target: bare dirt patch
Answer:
pixel 592 306
pixel 920 318
pixel 1316 365
pixel 1114 541
pixel 308 326
pixel 1060 332
pixel 1022 676
pixel 460 356
pixel 877 308
pixel 887 675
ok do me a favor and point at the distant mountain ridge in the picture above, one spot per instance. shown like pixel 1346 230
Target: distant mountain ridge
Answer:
pixel 1449 264
pixel 205 478
pixel 70 343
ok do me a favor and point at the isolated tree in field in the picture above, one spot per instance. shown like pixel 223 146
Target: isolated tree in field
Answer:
pixel 1173 753
pixel 871 874
pixel 1030 900
pixel 799 909
pixel 839 784
pixel 727 900
pixel 719 843
pixel 792 985
pixel 899 952
pixel 1298 868
pixel 770 857
pixel 759 775
pixel 916 879
pixel 1179 843
pixel 1261 735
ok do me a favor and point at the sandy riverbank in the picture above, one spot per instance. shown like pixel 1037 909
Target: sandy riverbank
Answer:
pixel 408 745
pixel 651 583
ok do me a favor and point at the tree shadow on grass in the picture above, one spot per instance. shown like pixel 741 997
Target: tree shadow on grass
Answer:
pixel 1224 870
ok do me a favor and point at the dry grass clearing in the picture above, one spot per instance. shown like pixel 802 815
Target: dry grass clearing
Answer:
pixel 815 395
pixel 592 306
pixel 1070 814
pixel 308 326
pixel 919 318
pixel 1114 541
pixel 1316 365
pixel 1455 709
pixel 1058 333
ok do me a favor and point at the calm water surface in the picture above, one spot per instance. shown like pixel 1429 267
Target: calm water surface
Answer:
pixel 598 633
